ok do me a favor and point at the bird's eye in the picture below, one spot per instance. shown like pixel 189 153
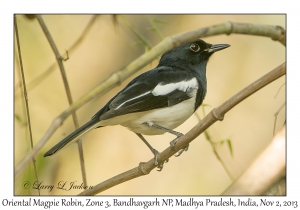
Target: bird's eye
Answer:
pixel 195 47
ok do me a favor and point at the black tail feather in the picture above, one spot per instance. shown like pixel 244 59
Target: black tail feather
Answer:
pixel 73 136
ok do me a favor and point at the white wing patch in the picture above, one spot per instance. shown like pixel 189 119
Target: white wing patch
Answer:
pixel 132 99
pixel 185 86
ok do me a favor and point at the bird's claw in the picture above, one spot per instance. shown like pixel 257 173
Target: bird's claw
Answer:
pixel 181 151
pixel 172 144
pixel 161 165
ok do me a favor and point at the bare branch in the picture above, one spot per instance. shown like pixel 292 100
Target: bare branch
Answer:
pixel 216 114
pixel 266 170
pixel 275 32
pixel 24 91
pixel 60 60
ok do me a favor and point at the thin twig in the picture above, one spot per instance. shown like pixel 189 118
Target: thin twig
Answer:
pixel 215 115
pixel 60 59
pixel 275 32
pixel 31 85
pixel 279 90
pixel 23 83
pixel 213 145
pixel 275 115
pixel 266 170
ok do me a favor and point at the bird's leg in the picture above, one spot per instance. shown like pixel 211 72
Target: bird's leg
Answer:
pixel 154 151
pixel 173 142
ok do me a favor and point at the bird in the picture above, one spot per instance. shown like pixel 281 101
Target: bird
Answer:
pixel 159 100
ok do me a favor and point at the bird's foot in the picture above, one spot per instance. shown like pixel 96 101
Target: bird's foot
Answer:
pixel 173 142
pixel 159 165
pixel 181 151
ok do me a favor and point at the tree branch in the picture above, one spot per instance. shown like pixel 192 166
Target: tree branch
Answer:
pixel 60 60
pixel 216 114
pixel 24 91
pixel 275 32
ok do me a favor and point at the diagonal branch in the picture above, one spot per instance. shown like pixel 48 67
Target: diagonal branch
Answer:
pixel 216 114
pixel 275 32
pixel 60 60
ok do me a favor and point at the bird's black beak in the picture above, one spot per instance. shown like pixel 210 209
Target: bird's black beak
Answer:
pixel 217 47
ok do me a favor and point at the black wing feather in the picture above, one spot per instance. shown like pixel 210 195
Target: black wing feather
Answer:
pixel 137 96
pixel 147 102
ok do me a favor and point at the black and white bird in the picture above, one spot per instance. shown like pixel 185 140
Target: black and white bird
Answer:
pixel 158 100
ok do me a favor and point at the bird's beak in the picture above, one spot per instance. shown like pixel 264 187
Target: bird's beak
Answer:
pixel 217 47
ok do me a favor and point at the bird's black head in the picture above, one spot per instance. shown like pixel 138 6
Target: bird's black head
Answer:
pixel 191 55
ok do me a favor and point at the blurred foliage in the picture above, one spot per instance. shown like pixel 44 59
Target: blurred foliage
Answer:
pixel 142 40
pixel 229 144
pixel 154 27
pixel 19 119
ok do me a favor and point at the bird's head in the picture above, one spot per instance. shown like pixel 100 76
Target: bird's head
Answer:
pixel 191 54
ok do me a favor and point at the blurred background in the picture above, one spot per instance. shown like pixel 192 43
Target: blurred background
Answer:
pixel 112 43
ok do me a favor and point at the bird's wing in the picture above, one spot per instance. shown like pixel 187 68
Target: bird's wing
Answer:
pixel 154 89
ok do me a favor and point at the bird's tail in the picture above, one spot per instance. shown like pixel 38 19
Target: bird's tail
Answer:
pixel 73 136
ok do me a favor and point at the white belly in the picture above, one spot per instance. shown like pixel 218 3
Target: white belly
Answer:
pixel 169 117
